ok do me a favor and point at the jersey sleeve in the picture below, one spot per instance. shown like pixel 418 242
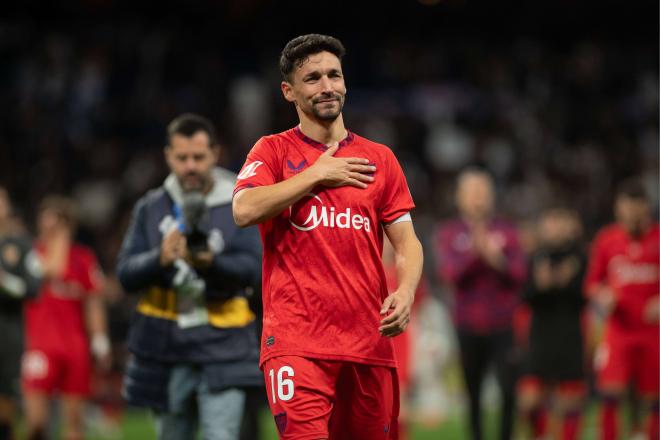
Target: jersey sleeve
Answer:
pixel 260 167
pixel 396 199
pixel 597 266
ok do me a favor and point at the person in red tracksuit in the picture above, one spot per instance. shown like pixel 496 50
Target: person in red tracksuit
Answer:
pixel 622 282
pixel 64 325
pixel 404 344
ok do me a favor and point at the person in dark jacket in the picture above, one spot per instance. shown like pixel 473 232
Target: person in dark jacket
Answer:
pixel 554 365
pixel 192 339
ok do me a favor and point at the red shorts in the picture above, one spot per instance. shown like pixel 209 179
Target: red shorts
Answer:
pixel 623 358
pixel 317 399
pixel 67 371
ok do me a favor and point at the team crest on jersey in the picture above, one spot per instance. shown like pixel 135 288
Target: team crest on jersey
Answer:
pixel 249 170
pixel 280 421
pixel 311 212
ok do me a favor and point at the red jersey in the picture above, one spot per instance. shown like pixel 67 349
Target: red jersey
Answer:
pixel 630 266
pixel 55 318
pixel 323 279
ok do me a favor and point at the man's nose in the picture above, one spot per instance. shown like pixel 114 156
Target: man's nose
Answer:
pixel 326 84
pixel 190 164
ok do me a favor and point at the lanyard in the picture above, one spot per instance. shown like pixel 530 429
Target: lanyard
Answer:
pixel 178 215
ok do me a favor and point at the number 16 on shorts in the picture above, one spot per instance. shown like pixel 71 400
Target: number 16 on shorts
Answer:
pixel 281 383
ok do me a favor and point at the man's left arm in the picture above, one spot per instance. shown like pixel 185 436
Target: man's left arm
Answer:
pixel 139 262
pixel 408 261
pixel 95 314
pixel 97 327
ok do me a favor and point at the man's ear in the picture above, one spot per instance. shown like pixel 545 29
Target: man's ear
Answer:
pixel 287 91
pixel 215 150
pixel 167 152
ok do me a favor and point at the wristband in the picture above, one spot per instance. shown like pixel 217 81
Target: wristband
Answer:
pixel 100 345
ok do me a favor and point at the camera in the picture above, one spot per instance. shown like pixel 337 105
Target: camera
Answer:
pixel 195 217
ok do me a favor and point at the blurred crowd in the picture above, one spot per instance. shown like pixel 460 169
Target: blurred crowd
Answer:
pixel 84 111
pixel 555 123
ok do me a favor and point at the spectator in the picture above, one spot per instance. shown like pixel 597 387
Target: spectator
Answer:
pixel 480 257
pixel 554 366
pixel 404 344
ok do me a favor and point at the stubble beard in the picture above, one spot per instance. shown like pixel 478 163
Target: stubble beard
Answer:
pixel 328 115
pixel 198 184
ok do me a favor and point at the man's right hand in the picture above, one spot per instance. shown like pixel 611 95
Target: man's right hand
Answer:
pixel 543 274
pixel 172 247
pixel 489 246
pixel 343 171
pixel 256 205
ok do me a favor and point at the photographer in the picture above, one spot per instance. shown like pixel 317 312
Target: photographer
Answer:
pixel 193 335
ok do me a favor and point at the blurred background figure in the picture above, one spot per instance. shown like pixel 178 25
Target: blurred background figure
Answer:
pixel 64 326
pixel 193 335
pixel 553 376
pixel 480 257
pixel 405 343
pixel 623 284
pixel 20 277
pixel 10 223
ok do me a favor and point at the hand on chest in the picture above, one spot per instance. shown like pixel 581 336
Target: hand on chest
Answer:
pixel 344 207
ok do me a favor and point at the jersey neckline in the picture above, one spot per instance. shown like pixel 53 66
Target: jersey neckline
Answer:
pixel 303 137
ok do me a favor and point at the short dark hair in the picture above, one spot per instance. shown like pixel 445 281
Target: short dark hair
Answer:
pixel 633 188
pixel 475 170
pixel 561 210
pixel 188 124
pixel 64 207
pixel 300 48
